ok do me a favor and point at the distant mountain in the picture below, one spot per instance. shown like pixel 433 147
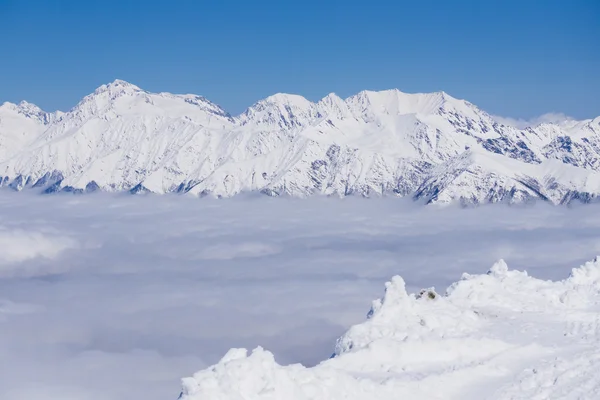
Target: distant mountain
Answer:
pixel 430 146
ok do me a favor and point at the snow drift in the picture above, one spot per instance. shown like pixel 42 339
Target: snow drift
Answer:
pixel 431 146
pixel 501 335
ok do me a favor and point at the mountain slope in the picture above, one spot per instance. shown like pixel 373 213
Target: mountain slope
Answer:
pixel 431 146
pixel 20 125
pixel 501 335
pixel 481 177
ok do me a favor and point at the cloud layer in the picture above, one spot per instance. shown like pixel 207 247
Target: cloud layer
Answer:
pixel 548 118
pixel 108 297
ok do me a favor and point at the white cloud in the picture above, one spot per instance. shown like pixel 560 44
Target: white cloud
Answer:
pixel 172 283
pixel 17 246
pixel 21 245
pixel 551 118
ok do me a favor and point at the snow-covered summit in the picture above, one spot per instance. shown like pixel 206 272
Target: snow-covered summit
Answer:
pixel 396 102
pixel 501 335
pixel 20 125
pixel 282 111
pixel 121 137
pixel 118 85
pixel 27 110
pixel 333 105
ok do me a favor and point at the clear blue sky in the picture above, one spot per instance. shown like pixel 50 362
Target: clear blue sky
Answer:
pixel 512 58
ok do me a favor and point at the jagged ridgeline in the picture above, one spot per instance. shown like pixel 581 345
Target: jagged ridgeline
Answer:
pixel 430 146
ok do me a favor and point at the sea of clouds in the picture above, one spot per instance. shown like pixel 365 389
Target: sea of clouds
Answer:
pixel 106 297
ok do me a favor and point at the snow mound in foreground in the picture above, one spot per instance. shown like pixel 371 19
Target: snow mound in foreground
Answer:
pixel 501 335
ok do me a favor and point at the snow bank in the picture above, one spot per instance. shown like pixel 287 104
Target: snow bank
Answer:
pixel 500 335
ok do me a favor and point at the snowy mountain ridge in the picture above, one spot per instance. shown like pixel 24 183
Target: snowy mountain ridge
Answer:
pixel 500 335
pixel 430 146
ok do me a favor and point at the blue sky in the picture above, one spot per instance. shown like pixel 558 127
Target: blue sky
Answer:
pixel 512 58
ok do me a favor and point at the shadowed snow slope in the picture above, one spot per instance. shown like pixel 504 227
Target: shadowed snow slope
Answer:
pixel 502 335
pixel 427 145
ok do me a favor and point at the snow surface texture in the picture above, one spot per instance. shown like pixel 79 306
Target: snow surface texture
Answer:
pixel 140 291
pixel 430 146
pixel 502 335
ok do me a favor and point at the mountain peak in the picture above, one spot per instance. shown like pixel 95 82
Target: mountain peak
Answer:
pixel 116 87
pixel 332 97
pixel 288 99
pixel 278 101
pixel 30 107
pixel 395 102
pixel 28 110
pixel 122 83
pixel 333 104
pixel 104 95
pixel 8 105
pixel 281 110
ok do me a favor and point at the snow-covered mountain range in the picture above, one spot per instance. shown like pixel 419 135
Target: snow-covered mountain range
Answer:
pixel 430 146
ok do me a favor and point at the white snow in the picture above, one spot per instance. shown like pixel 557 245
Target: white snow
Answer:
pixel 501 335
pixel 19 126
pixel 373 143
